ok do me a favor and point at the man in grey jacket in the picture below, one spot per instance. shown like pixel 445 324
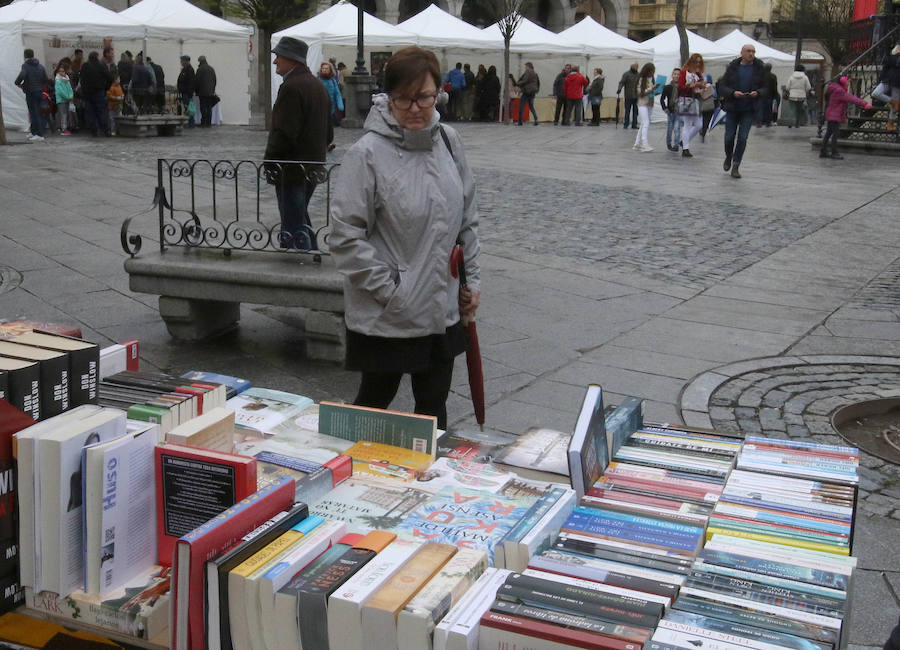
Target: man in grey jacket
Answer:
pixel 629 82
pixel 31 80
pixel 529 84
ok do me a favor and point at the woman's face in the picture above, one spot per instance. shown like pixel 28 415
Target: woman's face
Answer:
pixel 413 108
pixel 324 69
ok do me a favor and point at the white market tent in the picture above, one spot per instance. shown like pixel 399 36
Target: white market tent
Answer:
pixel 195 32
pixel 782 62
pixel 43 25
pixel 437 29
pixel 333 33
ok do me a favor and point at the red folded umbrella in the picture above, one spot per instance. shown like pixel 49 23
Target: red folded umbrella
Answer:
pixel 473 351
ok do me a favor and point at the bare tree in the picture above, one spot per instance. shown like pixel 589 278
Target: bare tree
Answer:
pixel 682 31
pixel 828 21
pixel 509 15
pixel 270 16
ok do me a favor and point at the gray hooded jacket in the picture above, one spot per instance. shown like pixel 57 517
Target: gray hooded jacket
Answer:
pixel 401 203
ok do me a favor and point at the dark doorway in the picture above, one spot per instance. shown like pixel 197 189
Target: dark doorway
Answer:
pixel 409 8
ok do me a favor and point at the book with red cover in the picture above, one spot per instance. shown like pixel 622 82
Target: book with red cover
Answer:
pixel 555 633
pixel 132 355
pixel 193 485
pixel 210 539
pixel 12 420
pixel 9 329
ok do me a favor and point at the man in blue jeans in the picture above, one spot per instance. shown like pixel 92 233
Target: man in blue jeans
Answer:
pixel 668 101
pixel 741 88
pixel 31 80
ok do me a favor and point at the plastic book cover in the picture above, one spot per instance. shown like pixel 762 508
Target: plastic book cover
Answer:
pixel 367 503
pixel 456 473
pixel 466 518
pixel 545 450
pixel 262 409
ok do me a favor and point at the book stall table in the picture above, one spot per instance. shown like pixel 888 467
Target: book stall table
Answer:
pixel 160 642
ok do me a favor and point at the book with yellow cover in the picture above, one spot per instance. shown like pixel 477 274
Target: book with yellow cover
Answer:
pixel 387 461
pixel 379 612
pixel 776 539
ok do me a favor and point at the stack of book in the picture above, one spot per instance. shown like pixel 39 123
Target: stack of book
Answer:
pixel 776 567
pixel 12 420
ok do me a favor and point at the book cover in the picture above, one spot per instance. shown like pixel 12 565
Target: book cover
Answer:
pixel 217 629
pixel 794 585
pixel 416 621
pixel 262 409
pixel 193 486
pixel 541 527
pixel 459 628
pixel 23 385
pixel 236 384
pixel 588 451
pixel 112 360
pixel 504 631
pixel 457 473
pixel 379 612
pixel 203 543
pixel 300 456
pixel 769 608
pixel 627 418
pixel 84 362
pixel 133 360
pixel 473 446
pixel 408 430
pixel 465 518
pixel 597 626
pixel 54 374
pixel 214 429
pixel 12 593
pixel 735 634
pixel 387 461
pixel 540 454
pixel 11 328
pixel 368 504
pixel 12 420
pixel 119 520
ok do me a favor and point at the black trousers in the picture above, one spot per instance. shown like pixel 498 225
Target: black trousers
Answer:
pixel 430 389
pixel 206 106
pixel 560 107
pixel 831 135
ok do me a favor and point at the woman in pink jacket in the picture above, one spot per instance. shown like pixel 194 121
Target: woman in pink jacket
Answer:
pixel 836 114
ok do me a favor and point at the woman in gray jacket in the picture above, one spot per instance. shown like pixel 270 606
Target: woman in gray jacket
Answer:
pixel 405 197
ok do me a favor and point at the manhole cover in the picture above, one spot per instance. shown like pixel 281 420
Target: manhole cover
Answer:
pixel 873 426
pixel 9 279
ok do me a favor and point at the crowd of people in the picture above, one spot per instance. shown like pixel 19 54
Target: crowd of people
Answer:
pixel 91 94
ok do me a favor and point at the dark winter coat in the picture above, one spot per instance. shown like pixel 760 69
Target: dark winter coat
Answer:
pixel 759 81
pixel 32 77
pixel 559 86
pixel 141 78
pixel 95 77
pixel 301 122
pixel 186 80
pixel 529 82
pixel 890 71
pixel 160 78
pixel 629 82
pixel 205 80
pixel 125 67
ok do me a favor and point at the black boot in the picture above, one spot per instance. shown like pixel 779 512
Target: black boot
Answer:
pixel 823 153
pixel 836 155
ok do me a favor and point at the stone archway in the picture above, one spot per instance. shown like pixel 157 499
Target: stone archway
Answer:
pixel 612 14
pixel 409 8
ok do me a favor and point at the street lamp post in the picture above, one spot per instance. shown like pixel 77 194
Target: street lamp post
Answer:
pixel 798 19
pixel 360 83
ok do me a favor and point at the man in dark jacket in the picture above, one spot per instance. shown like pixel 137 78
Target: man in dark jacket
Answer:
pixel 125 65
pixel 301 130
pixel 142 85
pixel 95 81
pixel 559 91
pixel 529 83
pixel 160 96
pixel 205 87
pixel 629 82
pixel 31 80
pixel 741 88
pixel 185 85
pixel 668 101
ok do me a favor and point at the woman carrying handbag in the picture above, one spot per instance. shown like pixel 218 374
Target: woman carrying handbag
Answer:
pixel 690 85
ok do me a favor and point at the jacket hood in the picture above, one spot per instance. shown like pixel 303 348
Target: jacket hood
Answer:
pixel 797 74
pixel 32 61
pixel 382 122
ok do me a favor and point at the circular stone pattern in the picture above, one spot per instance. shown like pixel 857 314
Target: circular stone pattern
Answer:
pixel 795 398
pixel 9 279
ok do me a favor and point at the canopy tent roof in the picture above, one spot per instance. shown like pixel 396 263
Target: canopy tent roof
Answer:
pixel 668 44
pixel 738 39
pixel 597 39
pixel 532 38
pixel 436 28
pixel 179 19
pixel 67 18
pixel 337 26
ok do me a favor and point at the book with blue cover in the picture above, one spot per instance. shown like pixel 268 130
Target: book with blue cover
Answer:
pixel 466 518
pixel 237 384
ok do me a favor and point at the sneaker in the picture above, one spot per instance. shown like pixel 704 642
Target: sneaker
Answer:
pixel 727 164
pixel 636 146
pixel 36 138
pixel 686 153
pixel 646 149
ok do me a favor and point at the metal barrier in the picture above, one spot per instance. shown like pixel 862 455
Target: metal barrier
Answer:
pixel 233 205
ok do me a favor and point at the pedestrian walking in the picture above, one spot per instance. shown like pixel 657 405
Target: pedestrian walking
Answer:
pixel 646 91
pixel 407 198
pixel 559 91
pixel 205 87
pixel 32 79
pixel 301 130
pixel 328 77
pixel 64 92
pixel 529 85
pixel 595 95
pixel 628 82
pixel 836 114
pixel 691 84
pixel 574 86
pixel 668 102
pixel 741 87
pixel 798 87
pixel 888 89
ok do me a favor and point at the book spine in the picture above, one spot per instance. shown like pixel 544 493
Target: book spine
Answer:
pixel 774 591
pixel 673 528
pixel 25 390
pixel 779 539
pixel 536 631
pixel 84 375
pixel 588 595
pixel 86 612
pixel 756 596
pixel 641 550
pixel 596 626
pixel 585 548
pixel 807 617
pixel 598 574
pixel 795 585
pixel 781 530
pixel 637 536
pixel 776 569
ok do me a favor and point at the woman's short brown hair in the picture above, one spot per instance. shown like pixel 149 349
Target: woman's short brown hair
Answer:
pixel 695 59
pixel 404 71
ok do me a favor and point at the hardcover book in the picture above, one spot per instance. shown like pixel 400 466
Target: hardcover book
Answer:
pixel 408 430
pixel 84 362
pixel 627 418
pixel 588 451
pixel 193 486
pixel 236 384
pixel 465 518
pixel 54 374
pixel 23 385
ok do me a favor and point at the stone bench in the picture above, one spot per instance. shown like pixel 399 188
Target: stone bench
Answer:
pixel 141 126
pixel 200 291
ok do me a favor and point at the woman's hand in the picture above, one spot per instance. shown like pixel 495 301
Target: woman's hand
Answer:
pixel 469 300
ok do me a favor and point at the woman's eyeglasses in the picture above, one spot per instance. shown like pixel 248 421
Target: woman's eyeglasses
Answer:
pixel 422 101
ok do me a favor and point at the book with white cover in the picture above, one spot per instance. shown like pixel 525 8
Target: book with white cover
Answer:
pixel 345 604
pixel 62 560
pixel 458 473
pixel 416 621
pixel 459 629
pixel 113 359
pixel 262 409
pixel 28 489
pixel 119 511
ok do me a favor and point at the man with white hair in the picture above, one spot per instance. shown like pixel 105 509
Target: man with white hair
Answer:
pixel 741 88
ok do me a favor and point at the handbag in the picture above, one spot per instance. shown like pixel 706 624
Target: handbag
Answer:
pixel 707 92
pixel 688 106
